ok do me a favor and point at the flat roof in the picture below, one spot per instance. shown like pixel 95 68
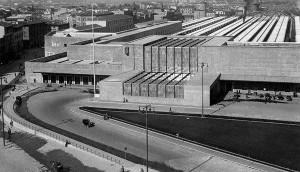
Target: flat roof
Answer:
pixel 181 41
pixel 85 62
pixel 113 17
pixel 255 78
pixel 59 60
pixel 208 79
pixel 124 34
pixel 70 61
pixel 86 27
pixel 87 35
pixel 89 13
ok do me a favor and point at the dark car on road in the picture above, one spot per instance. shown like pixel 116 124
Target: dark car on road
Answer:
pixel 289 98
pixel 18 100
pixel 88 123
pixel 279 97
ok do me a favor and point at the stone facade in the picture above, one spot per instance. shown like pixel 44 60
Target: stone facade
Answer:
pixel 173 55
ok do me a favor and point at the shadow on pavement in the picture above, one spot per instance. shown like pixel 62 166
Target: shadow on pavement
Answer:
pixel 69 162
pixel 30 144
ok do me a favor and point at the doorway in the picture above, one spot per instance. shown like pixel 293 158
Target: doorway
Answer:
pixel 228 87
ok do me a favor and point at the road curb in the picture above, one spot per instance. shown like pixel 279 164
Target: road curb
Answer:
pixel 22 124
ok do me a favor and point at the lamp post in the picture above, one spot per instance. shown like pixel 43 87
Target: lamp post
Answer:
pixel 125 149
pixel 202 65
pixel 1 77
pixel 94 72
pixel 144 110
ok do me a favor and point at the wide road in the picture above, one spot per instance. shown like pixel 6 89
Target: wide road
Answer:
pixel 61 109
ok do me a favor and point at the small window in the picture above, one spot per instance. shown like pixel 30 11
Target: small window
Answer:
pixel 65 45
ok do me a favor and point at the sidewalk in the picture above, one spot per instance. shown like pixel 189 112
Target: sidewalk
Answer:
pixel 13 158
pixel 155 107
pixel 85 158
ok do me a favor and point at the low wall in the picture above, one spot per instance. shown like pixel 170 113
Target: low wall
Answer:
pixel 49 58
pixel 36 130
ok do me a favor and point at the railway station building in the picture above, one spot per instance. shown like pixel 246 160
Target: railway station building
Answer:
pixel 149 65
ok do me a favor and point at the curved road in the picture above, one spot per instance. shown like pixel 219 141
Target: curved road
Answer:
pixel 56 108
pixel 61 109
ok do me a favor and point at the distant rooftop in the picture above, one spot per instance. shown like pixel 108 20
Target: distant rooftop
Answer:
pixel 182 41
pixel 149 23
pixel 114 17
pixel 55 22
pixel 139 30
pixel 79 34
pixel 89 13
pixel 87 27
pixel 5 24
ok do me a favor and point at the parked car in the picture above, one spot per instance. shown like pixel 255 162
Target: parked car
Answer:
pixel 295 94
pixel 56 166
pixel 279 97
pixel 268 96
pixel 18 100
pixel 289 98
pixel 88 123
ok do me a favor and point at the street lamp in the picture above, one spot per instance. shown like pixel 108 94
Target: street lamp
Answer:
pixel 144 110
pixel 1 77
pixel 202 65
pixel 94 73
pixel 125 149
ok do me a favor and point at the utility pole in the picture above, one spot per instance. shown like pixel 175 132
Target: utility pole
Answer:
pixel 94 71
pixel 3 133
pixel 144 110
pixel 202 65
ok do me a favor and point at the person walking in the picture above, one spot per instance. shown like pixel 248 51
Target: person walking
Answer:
pixel 122 169
pixel 9 133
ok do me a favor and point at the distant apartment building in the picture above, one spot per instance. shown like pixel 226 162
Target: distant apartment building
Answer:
pixel 6 42
pixel 82 18
pixel 159 14
pixel 188 17
pixel 174 16
pixel 114 23
pixel 187 12
pixel 142 16
pixel 146 5
pixel 187 9
pixel 18 40
pixel 57 25
pixel 220 13
pixel 11 41
pixel 88 28
pixel 33 33
pixel 210 14
pixel 200 10
pixel 137 15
